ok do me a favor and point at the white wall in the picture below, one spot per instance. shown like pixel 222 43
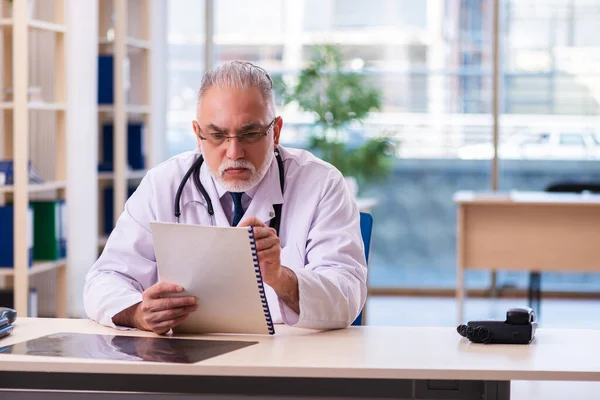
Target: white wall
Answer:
pixel 82 125
pixel 82 139
pixel 158 79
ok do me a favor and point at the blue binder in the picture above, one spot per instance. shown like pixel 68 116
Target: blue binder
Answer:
pixel 7 173
pixel 7 243
pixel 108 211
pixel 135 147
pixel 105 79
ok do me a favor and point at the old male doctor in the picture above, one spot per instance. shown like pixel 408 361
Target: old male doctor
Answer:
pixel 314 270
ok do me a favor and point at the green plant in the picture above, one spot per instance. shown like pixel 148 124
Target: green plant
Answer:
pixel 339 98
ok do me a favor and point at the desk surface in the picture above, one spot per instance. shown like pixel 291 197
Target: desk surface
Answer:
pixel 357 352
pixel 531 198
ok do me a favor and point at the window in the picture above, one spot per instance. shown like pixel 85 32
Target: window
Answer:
pixel 185 68
pixel 550 61
pixel 572 139
pixel 539 139
pixel 432 61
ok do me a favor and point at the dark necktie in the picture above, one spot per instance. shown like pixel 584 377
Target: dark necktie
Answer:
pixel 238 210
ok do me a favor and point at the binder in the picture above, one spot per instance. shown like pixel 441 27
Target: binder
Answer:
pixel 105 79
pixel 7 173
pixel 7 243
pixel 220 267
pixel 7 296
pixel 49 230
pixel 109 206
pixel 135 147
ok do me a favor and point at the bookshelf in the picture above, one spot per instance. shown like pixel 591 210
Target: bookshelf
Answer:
pixel 124 34
pixel 33 119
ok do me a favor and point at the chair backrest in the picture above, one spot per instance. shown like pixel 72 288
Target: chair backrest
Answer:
pixel 366 228
pixel 574 187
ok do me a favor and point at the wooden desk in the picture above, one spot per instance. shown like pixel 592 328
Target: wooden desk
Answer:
pixel 526 231
pixel 359 362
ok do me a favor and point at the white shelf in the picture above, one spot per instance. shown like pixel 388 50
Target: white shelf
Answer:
pixel 138 174
pixel 135 174
pixel 38 25
pixel 102 241
pixel 32 107
pixel 42 106
pixel 36 106
pixel 129 108
pixel 105 108
pixel 130 42
pixel 138 43
pixel 138 109
pixel 37 268
pixel 37 187
pixel 47 26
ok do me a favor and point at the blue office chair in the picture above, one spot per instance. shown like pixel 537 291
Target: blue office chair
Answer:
pixel 366 228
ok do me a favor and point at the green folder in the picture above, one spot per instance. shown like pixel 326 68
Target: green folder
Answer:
pixel 49 236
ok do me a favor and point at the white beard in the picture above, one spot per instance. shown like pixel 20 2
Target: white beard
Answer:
pixel 255 175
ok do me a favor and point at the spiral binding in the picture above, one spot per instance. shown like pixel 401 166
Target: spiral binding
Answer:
pixel 259 281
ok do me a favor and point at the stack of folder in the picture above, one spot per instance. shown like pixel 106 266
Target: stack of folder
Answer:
pixel 47 236
pixel 108 211
pixel 135 147
pixel 50 238
pixel 7 173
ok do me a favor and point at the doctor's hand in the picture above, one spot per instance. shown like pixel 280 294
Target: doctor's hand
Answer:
pixel 158 313
pixel 282 279
pixel 268 247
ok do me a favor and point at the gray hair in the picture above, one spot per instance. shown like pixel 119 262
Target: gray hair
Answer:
pixel 239 75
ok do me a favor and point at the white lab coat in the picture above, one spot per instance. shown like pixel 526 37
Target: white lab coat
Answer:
pixel 320 239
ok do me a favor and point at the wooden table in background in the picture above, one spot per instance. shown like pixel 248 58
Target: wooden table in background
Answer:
pixel 526 231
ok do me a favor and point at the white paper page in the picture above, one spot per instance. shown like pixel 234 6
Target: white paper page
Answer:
pixel 214 264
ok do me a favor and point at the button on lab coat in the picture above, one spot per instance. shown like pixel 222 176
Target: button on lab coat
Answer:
pixel 320 239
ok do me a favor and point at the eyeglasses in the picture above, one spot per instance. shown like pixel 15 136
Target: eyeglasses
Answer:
pixel 216 139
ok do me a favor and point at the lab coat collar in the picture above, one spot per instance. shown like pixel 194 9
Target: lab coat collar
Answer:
pixel 266 194
pixel 211 189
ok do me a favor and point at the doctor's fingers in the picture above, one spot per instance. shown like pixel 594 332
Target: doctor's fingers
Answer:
pixel 263 232
pixel 158 317
pixel 153 305
pixel 270 255
pixel 163 327
pixel 251 221
pixel 267 243
pixel 159 289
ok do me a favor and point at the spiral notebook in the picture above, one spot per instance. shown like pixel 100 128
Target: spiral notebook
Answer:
pixel 218 265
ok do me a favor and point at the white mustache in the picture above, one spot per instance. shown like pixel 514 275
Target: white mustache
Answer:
pixel 236 164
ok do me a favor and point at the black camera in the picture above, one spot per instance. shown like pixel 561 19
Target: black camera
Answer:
pixel 519 328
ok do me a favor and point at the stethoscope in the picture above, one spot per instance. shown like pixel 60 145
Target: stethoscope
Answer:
pixel 195 171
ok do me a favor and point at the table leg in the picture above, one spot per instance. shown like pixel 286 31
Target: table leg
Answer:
pixel 460 264
pixel 61 292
